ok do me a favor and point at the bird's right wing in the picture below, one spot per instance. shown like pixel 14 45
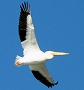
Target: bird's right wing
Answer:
pixel 26 28
pixel 40 73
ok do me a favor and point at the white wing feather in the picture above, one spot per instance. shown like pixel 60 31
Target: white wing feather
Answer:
pixel 41 68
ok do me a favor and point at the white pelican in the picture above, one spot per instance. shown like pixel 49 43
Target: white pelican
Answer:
pixel 33 56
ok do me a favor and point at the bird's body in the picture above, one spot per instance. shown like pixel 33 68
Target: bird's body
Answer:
pixel 33 56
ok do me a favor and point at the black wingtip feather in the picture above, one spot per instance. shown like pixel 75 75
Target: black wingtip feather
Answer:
pixel 25 11
pixel 25 7
pixel 42 79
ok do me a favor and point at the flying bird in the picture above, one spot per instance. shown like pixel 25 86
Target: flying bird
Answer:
pixel 32 54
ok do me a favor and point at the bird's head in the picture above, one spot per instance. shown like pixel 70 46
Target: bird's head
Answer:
pixel 51 54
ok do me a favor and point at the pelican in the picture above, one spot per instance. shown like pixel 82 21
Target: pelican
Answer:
pixel 32 55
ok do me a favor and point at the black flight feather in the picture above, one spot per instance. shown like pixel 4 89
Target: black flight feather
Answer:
pixel 25 11
pixel 42 79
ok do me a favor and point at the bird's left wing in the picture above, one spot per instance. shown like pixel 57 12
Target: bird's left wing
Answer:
pixel 40 73
pixel 26 28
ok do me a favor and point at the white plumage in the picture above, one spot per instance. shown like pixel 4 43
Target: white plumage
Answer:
pixel 33 56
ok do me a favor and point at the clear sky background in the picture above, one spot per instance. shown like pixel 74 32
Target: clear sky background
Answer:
pixel 59 26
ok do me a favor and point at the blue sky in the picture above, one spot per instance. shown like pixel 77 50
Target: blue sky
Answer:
pixel 59 26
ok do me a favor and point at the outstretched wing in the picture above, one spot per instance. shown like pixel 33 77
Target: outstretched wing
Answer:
pixel 26 28
pixel 40 73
